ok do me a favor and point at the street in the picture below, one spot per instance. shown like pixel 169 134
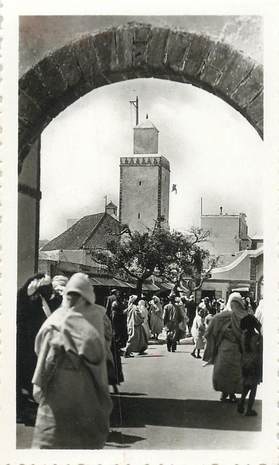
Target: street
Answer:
pixel 167 402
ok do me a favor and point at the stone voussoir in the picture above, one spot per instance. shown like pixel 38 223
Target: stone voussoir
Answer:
pixel 250 87
pixel 220 55
pixel 131 51
pixel 157 46
pixel 197 55
pixel 235 72
pixel 177 49
pixel 255 108
pixel 29 109
pixel 87 61
pixel 31 83
pixel 104 43
pixel 65 60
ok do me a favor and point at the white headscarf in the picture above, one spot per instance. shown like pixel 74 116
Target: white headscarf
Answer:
pixel 236 305
pixel 80 283
pixel 132 299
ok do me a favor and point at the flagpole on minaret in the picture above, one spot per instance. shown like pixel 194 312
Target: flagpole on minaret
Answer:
pixel 136 105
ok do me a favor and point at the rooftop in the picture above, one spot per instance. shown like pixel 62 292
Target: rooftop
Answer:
pixel 80 234
pixel 146 124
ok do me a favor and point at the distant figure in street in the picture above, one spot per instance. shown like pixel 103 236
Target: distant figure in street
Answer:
pixel 205 304
pixel 114 294
pixel 70 380
pixel 198 332
pixel 156 317
pixel 221 306
pixel 223 337
pixel 209 317
pixel 119 323
pixel 144 313
pixel 137 337
pixel 172 317
pixel 111 368
pixel 35 303
pixel 191 311
pixel 251 362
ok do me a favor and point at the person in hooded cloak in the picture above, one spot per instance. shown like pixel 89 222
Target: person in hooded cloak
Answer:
pixel 223 348
pixel 70 380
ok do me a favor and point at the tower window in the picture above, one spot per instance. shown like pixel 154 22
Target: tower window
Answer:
pixel 138 216
pixel 139 183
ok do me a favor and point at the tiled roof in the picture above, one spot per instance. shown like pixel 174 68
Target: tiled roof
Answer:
pixel 76 236
pixel 146 124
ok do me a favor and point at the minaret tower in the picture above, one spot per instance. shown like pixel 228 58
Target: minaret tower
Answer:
pixel 144 182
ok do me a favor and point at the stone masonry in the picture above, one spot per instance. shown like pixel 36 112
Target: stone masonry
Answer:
pixel 131 51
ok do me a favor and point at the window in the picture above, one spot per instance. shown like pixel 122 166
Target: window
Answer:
pixel 138 216
pixel 139 183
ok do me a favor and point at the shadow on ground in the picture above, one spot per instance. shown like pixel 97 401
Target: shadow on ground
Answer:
pixel 117 439
pixel 137 412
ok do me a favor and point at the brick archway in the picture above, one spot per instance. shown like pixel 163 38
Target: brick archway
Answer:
pixel 133 51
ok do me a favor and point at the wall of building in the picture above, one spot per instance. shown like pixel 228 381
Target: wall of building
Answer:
pixel 28 215
pixel 221 289
pixel 240 272
pixel 165 195
pixel 224 233
pixel 145 140
pixel 139 194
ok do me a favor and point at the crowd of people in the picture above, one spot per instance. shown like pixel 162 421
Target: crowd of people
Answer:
pixel 69 351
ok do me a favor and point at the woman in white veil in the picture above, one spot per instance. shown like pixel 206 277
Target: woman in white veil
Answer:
pixel 223 337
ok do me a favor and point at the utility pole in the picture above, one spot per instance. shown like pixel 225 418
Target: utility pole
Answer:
pixel 136 105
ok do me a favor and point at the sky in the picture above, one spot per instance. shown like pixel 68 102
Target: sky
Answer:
pixel 214 153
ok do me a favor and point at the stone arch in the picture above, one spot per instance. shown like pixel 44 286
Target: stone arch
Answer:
pixel 131 51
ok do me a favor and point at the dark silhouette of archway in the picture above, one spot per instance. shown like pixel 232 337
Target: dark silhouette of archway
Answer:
pixel 132 51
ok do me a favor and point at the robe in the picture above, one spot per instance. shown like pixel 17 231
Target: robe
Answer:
pixel 70 381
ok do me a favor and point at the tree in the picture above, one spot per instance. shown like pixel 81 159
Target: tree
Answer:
pixel 159 252
pixel 189 274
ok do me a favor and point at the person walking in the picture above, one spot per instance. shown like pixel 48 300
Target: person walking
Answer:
pixel 172 317
pixel 251 362
pixel 198 332
pixel 114 294
pixel 144 313
pixel 35 303
pixel 223 337
pixel 156 317
pixel 111 367
pixel 70 380
pixel 191 312
pixel 137 337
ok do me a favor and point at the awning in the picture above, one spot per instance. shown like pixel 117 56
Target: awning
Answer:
pixel 109 282
pixel 150 287
pixel 241 289
pixel 166 286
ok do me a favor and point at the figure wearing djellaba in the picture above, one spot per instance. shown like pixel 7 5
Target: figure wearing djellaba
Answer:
pixel 70 380
pixel 223 347
pixel 137 336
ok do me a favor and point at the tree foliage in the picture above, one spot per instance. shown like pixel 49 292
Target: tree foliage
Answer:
pixel 171 255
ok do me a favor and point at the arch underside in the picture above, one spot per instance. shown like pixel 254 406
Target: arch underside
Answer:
pixel 136 51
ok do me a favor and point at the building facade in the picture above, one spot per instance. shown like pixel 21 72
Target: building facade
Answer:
pixel 244 274
pixel 144 182
pixel 228 233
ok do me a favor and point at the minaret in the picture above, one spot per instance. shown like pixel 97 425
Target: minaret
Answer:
pixel 144 182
